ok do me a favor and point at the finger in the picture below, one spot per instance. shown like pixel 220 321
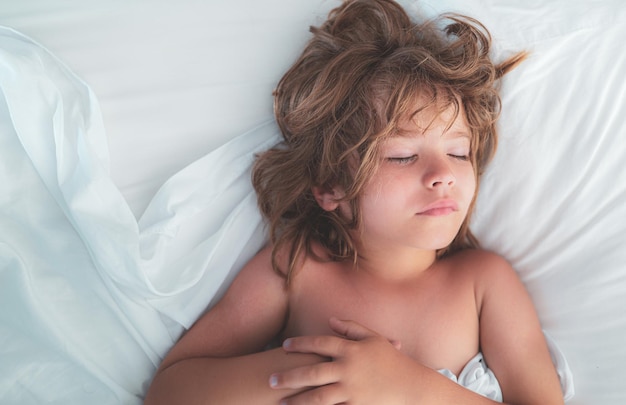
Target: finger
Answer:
pixel 355 331
pixel 307 376
pixel 327 346
pixel 396 343
pixel 350 329
pixel 326 395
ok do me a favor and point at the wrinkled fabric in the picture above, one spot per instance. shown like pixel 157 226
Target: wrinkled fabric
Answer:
pixel 90 298
pixel 477 377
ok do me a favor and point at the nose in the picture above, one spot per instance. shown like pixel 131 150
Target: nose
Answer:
pixel 438 174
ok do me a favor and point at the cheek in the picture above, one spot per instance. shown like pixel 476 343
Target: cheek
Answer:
pixel 380 196
pixel 472 184
pixel 468 185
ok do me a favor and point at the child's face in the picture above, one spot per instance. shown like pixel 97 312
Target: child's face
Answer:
pixel 420 195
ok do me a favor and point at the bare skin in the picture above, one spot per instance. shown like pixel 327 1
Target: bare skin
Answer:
pixel 419 312
pixel 378 331
pixel 472 301
pixel 213 365
pixel 221 358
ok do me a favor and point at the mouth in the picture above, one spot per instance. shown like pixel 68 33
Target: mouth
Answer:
pixel 439 208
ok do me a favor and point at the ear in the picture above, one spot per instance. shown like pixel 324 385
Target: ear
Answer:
pixel 327 197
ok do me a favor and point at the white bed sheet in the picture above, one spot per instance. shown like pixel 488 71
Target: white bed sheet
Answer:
pixel 102 266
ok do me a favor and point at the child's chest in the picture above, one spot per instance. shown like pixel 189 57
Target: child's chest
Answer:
pixel 435 321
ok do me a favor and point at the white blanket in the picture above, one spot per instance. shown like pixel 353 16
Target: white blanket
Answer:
pixel 91 298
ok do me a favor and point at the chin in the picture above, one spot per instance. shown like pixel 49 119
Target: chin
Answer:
pixel 433 245
pixel 440 240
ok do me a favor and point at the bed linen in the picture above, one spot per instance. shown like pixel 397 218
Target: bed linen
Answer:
pixel 127 130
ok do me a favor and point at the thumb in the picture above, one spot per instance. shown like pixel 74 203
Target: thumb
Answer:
pixel 355 331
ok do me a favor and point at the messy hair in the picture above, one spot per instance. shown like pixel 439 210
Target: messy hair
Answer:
pixel 362 71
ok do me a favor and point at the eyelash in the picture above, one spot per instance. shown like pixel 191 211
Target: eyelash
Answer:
pixel 403 160
pixel 412 158
pixel 464 158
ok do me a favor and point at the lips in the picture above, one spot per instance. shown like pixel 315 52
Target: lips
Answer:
pixel 440 207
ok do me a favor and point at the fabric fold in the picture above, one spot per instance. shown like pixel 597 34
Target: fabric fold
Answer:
pixel 103 294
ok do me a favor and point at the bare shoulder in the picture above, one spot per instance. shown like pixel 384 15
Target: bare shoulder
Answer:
pixel 493 271
pixel 256 283
pixel 261 264
pixel 482 260
pixel 483 265
pixel 487 271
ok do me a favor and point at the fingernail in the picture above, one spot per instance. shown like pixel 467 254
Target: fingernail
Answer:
pixel 273 381
pixel 287 344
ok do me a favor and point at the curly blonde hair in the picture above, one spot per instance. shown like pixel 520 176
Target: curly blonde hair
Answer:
pixel 361 72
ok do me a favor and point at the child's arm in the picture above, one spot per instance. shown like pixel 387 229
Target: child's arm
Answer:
pixel 511 337
pixel 367 369
pixel 221 358
pixel 231 380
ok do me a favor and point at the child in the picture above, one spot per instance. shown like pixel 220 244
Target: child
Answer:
pixel 372 275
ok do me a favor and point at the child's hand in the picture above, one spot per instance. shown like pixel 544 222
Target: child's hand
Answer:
pixel 366 368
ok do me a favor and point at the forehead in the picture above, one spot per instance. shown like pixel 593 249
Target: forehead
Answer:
pixel 447 118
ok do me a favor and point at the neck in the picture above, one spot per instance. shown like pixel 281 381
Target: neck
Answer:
pixel 396 265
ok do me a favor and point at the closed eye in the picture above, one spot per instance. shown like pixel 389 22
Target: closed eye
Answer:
pixel 403 160
pixel 459 157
